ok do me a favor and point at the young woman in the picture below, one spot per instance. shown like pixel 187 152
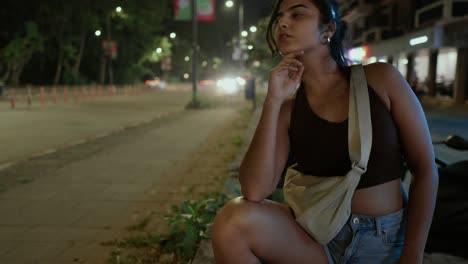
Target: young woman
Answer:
pixel 383 227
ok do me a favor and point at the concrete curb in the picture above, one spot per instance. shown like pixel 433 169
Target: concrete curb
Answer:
pixel 205 253
pixel 79 141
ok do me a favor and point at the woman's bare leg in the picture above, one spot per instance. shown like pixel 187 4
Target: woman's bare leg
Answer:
pixel 248 232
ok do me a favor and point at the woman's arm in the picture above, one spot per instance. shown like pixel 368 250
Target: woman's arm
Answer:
pixel 419 154
pixel 258 173
pixel 266 156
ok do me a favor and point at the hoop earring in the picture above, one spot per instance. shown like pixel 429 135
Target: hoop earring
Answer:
pixel 325 41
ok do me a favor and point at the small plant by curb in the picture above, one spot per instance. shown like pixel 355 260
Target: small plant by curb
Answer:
pixel 188 224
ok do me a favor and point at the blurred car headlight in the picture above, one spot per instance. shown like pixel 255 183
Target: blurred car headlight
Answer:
pixel 240 81
pixel 230 85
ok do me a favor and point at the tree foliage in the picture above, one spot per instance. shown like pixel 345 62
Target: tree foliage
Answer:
pixel 17 53
pixel 58 44
pixel 260 60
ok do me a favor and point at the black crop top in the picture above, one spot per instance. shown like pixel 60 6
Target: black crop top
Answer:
pixel 320 147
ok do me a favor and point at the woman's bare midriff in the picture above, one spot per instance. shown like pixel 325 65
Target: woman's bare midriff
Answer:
pixel 378 200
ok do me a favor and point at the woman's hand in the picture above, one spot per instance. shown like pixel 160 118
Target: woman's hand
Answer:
pixel 285 77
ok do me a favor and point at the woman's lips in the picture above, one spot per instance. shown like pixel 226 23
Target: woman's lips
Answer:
pixel 284 37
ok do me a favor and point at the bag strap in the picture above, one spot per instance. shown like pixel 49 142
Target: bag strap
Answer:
pixel 360 124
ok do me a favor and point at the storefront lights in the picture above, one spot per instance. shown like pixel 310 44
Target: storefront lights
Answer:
pixel 418 40
pixel 357 54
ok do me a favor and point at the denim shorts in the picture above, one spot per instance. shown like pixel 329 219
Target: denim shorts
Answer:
pixel 366 239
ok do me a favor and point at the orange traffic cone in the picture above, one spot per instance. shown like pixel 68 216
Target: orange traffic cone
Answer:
pixel 76 96
pixel 54 94
pixel 84 91
pixel 65 94
pixel 42 96
pixel 13 98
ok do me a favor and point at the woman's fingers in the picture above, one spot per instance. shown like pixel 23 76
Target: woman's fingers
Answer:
pixel 298 74
pixel 284 67
pixel 295 62
pixel 294 54
pixel 288 64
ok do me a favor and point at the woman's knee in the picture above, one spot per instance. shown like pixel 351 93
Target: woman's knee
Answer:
pixel 236 217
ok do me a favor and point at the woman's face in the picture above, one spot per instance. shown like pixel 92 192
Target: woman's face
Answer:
pixel 297 26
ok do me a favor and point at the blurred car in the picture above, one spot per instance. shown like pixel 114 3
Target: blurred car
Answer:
pixel 230 85
pixel 155 83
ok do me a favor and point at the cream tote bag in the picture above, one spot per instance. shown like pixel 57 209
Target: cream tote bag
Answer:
pixel 322 205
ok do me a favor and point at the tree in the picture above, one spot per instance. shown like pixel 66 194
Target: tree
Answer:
pixel 19 50
pixel 260 60
pixel 71 51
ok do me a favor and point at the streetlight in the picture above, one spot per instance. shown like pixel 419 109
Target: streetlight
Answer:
pixel 253 29
pixel 159 50
pixel 110 49
pixel 229 4
pixel 173 35
pixel 97 33
pixel 244 33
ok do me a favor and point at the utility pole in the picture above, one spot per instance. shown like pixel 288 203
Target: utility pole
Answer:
pixel 241 26
pixel 195 54
pixel 109 55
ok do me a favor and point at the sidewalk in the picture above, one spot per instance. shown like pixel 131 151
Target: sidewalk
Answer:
pixel 63 214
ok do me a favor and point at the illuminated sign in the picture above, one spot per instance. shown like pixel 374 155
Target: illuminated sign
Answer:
pixel 418 40
pixel 358 54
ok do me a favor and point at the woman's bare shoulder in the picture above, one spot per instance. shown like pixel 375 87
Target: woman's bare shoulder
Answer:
pixel 380 76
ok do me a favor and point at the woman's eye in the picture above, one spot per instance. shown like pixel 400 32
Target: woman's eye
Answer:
pixel 296 15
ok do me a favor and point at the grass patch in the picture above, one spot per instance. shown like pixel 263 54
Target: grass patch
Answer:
pixel 141 225
pixel 24 180
pixel 188 224
pixel 238 141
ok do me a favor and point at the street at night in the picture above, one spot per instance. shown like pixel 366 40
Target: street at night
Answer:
pixel 126 126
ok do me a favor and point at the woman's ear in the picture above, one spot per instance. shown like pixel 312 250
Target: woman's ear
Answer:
pixel 329 29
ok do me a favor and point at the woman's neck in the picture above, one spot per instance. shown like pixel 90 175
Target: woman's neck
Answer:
pixel 322 75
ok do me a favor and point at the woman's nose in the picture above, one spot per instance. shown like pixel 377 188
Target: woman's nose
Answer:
pixel 282 23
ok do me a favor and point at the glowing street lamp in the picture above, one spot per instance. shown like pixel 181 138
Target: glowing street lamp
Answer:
pixel 253 29
pixel 118 9
pixel 97 33
pixel 240 5
pixel 173 35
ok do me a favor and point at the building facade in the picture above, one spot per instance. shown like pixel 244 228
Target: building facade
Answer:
pixel 427 40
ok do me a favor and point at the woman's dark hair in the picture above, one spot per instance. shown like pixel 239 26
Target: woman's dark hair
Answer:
pixel 328 13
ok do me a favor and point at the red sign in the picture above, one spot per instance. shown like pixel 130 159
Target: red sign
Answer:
pixel 110 48
pixel 166 64
pixel 205 10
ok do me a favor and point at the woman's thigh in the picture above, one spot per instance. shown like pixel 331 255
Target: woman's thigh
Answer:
pixel 270 231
